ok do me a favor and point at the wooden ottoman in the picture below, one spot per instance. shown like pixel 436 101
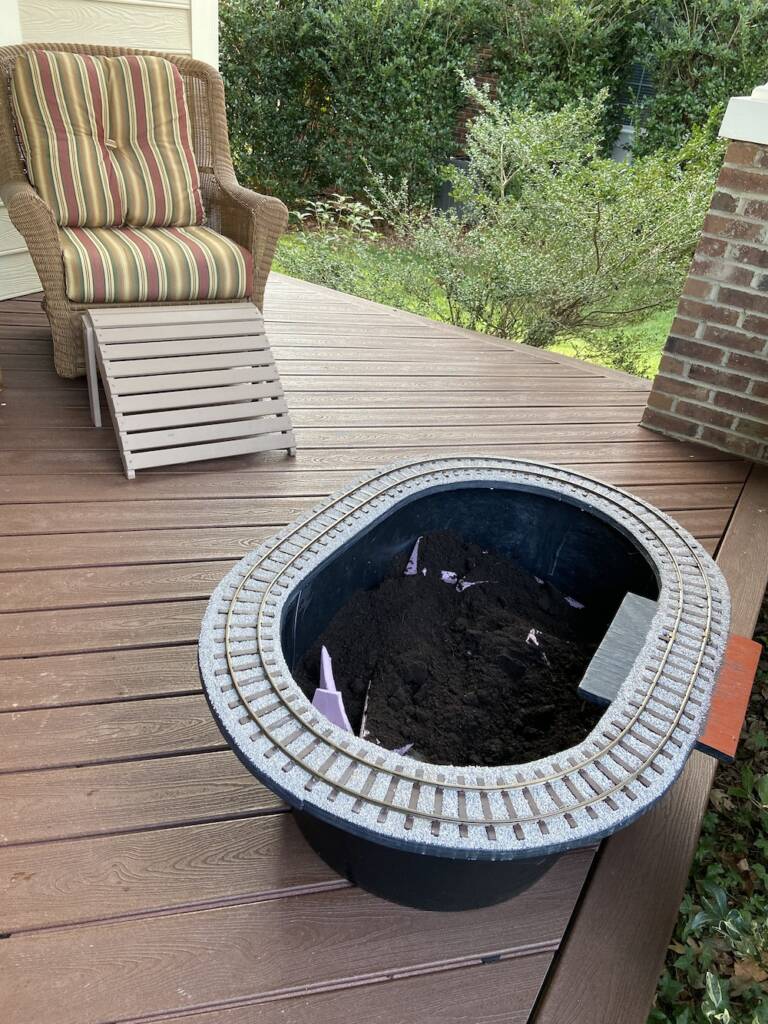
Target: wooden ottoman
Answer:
pixel 185 383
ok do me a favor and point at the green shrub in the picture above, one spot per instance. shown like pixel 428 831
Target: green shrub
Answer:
pixel 319 91
pixel 315 90
pixel 556 240
pixel 547 54
pixel 699 53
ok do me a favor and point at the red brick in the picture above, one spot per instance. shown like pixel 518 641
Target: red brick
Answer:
pixel 724 201
pixel 749 254
pixel 707 311
pixel 684 328
pixel 759 389
pixel 743 180
pixel 711 246
pixel 732 339
pixel 719 270
pixel 669 364
pixel 746 154
pixel 755 208
pixel 746 446
pixel 697 288
pixel 761 282
pixel 741 404
pixel 660 401
pixel 694 350
pixel 732 227
pixel 751 428
pixel 705 414
pixel 669 424
pixel 756 324
pixel 748 364
pixel 681 388
pixel 742 299
pixel 718 378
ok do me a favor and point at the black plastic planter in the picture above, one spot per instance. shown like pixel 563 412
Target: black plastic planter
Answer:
pixel 450 837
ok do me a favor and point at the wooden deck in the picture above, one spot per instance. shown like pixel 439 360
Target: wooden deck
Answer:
pixel 144 874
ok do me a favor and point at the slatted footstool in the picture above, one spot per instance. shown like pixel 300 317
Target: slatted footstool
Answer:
pixel 185 383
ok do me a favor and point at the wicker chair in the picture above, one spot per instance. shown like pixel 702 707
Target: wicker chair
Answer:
pixel 253 221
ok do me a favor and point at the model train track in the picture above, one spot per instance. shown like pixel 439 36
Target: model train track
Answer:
pixel 619 759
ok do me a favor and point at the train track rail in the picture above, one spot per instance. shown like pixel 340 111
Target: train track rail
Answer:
pixel 632 755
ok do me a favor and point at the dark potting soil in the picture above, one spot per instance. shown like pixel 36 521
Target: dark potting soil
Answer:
pixel 486 675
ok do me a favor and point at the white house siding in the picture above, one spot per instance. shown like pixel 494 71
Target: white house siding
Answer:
pixel 178 26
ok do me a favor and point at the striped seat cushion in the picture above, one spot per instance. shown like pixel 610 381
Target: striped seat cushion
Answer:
pixel 126 264
pixel 107 139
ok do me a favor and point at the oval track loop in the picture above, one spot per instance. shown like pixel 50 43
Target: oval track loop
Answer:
pixel 618 754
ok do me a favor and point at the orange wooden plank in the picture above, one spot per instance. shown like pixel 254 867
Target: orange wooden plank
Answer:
pixel 730 699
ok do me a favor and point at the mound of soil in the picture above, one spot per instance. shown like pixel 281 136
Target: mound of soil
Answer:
pixel 480 675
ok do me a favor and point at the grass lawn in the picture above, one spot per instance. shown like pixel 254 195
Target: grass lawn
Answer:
pixel 649 336
pixel 393 275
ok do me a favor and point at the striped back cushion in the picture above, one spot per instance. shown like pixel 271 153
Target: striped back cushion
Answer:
pixel 62 111
pixel 107 139
pixel 150 127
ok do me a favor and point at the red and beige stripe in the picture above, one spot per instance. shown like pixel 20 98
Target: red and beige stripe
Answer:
pixel 60 105
pixel 153 264
pixel 153 145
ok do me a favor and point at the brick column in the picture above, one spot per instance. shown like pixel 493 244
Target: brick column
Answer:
pixel 712 385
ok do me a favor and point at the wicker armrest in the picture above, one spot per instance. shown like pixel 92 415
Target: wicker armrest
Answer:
pixel 35 222
pixel 254 221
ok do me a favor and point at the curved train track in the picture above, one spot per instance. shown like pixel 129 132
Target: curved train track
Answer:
pixel 633 753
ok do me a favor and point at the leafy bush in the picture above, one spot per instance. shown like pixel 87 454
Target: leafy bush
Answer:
pixel 316 89
pixel 555 239
pixel 700 53
pixel 549 54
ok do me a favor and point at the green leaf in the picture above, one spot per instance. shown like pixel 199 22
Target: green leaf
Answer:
pixel 761 788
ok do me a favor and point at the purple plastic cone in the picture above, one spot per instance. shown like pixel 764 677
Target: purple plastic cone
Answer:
pixel 327 699
pixel 413 562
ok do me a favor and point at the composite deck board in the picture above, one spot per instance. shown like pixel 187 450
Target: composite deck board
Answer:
pixel 90 679
pixel 25 463
pixel 102 733
pixel 201 959
pixel 128 796
pixel 141 873
pixel 302 481
pixel 591 409
pixel 130 547
pixel 163 513
pixel 145 872
pixel 491 993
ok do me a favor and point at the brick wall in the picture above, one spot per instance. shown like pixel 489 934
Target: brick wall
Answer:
pixel 712 385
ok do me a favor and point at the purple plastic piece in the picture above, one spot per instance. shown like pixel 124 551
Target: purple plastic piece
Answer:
pixel 402 751
pixel 327 699
pixel 413 562
pixel 465 584
pixel 461 585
